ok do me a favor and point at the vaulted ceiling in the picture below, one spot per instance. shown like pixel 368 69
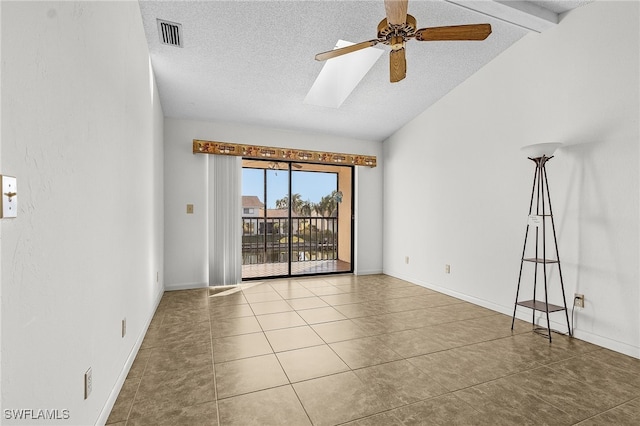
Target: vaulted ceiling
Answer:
pixel 252 62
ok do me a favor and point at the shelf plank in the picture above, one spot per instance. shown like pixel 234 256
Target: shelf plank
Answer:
pixel 538 260
pixel 539 305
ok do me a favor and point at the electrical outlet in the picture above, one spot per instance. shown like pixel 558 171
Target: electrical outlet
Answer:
pixel 447 269
pixel 406 260
pixel 578 300
pixel 157 276
pixel 189 208
pixel 124 327
pixel 88 383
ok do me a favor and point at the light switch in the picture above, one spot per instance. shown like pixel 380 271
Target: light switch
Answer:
pixel 9 200
pixel 189 208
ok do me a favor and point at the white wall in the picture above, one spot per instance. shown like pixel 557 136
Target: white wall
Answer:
pixel 82 132
pixel 457 187
pixel 1 407
pixel 186 182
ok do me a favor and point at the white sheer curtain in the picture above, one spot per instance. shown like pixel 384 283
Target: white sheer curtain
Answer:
pixel 225 220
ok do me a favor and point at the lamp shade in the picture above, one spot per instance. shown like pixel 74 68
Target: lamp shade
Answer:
pixel 538 150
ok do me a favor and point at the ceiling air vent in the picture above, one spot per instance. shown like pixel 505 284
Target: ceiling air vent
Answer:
pixel 170 33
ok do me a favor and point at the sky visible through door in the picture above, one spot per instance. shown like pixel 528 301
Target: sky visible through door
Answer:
pixel 311 186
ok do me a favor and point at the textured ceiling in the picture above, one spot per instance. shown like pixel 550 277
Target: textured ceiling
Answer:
pixel 560 6
pixel 252 62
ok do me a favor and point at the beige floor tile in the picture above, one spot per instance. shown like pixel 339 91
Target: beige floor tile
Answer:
pixel 578 399
pixel 184 357
pixel 249 375
pixel 357 310
pixel 320 315
pixel 257 287
pixel 284 284
pixel 627 414
pixel 382 419
pixel 267 296
pixel 242 346
pixel 417 318
pixel 445 367
pixel 527 347
pixel 379 324
pixel 612 358
pixel 295 293
pixel 173 390
pixel 409 291
pixel 512 404
pixel 307 303
pixel 273 307
pixel 455 334
pixel 399 383
pixel 177 335
pixel 280 320
pixel 444 410
pixel 326 290
pixel 230 311
pixel 176 300
pixel 204 414
pixel 404 304
pixel 337 331
pixel 311 283
pixel 139 363
pixel 234 326
pixel 341 299
pixel 277 406
pixel 186 315
pixel 309 363
pixel 599 373
pixel 236 298
pixel 466 332
pixel 437 299
pixel 156 321
pixel 293 338
pixel 347 397
pixel 122 406
pixel 364 352
pixel 410 343
pixel 463 311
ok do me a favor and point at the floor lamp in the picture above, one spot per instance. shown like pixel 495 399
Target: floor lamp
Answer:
pixel 540 216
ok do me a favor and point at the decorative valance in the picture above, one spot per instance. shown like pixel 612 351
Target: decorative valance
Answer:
pixel 281 154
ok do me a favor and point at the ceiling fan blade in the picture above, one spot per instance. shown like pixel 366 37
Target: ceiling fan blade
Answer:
pixel 344 50
pixel 457 32
pixel 396 11
pixel 397 65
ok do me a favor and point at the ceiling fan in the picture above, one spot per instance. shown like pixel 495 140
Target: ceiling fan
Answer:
pixel 398 27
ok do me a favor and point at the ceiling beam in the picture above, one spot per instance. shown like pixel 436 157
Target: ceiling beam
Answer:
pixel 517 12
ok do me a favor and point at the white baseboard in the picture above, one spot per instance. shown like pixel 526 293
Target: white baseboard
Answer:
pixel 108 406
pixel 185 286
pixel 368 272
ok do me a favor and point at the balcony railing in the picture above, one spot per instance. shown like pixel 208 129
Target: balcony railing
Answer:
pixel 266 240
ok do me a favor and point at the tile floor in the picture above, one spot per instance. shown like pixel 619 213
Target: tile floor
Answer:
pixel 261 270
pixel 370 350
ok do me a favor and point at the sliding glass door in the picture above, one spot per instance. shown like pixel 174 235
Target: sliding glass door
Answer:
pixel 297 219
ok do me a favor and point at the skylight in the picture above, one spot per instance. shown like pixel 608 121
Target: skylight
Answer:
pixel 341 75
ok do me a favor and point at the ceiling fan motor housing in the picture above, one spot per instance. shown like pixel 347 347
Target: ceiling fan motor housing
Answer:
pixel 396 35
